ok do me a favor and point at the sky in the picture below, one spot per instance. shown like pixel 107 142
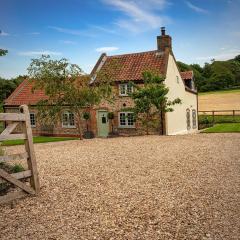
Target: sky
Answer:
pixel 80 30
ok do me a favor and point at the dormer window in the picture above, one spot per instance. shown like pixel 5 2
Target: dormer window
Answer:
pixel 189 83
pixel 125 89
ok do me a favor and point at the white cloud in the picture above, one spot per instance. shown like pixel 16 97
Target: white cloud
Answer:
pixel 222 56
pixel 72 31
pixel 107 49
pixel 45 52
pixel 141 15
pixel 196 8
pixel 2 33
pixel 68 42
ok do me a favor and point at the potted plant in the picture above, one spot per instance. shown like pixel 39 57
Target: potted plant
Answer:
pixel 87 134
pixel 111 118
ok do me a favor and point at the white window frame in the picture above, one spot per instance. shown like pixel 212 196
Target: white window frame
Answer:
pixel 127 125
pixel 188 118
pixel 194 119
pixel 34 119
pixel 68 125
pixel 125 85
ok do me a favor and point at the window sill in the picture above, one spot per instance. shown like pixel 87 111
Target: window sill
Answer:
pixel 124 95
pixel 131 127
pixel 69 127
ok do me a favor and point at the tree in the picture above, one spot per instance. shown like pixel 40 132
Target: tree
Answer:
pixel 183 66
pixel 3 52
pixel 111 118
pixel 66 86
pixel 86 116
pixel 152 99
pixel 7 86
pixel 237 58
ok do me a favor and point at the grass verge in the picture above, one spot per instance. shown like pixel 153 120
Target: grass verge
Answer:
pixel 38 139
pixel 224 128
pixel 218 119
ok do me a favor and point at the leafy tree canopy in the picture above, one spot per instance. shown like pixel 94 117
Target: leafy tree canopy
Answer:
pixel 67 86
pixel 215 75
pixel 151 100
pixel 7 86
pixel 3 52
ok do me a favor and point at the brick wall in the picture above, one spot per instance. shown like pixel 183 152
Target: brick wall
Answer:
pixel 119 104
pixel 55 130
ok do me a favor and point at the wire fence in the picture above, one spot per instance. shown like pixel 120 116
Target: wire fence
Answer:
pixel 209 118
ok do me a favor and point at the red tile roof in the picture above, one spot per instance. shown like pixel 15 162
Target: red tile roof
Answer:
pixel 24 94
pixel 129 67
pixel 187 75
pixel 126 67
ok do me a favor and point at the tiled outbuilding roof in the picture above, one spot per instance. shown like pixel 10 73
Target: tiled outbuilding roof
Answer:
pixel 187 75
pixel 24 94
pixel 129 67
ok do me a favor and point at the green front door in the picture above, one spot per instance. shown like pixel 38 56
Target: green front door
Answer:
pixel 103 124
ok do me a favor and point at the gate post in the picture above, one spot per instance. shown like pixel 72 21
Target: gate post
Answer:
pixel 31 160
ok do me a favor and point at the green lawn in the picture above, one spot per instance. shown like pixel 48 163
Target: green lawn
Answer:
pixel 39 139
pixel 223 128
pixel 237 90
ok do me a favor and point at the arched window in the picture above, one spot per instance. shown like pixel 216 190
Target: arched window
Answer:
pixel 188 119
pixel 194 118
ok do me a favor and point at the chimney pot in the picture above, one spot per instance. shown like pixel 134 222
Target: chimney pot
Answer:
pixel 163 31
pixel 164 41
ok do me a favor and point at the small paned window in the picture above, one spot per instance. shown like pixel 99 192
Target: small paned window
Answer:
pixel 126 119
pixel 104 120
pixel 122 89
pixel 125 89
pixel 122 119
pixel 130 119
pixel 188 119
pixel 33 119
pixel 68 120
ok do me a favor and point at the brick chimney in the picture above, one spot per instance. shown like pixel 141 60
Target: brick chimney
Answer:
pixel 164 41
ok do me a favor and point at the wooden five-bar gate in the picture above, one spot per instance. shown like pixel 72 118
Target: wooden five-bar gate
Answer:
pixel 13 120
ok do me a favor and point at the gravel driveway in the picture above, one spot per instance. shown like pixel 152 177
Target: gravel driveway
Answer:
pixel 176 187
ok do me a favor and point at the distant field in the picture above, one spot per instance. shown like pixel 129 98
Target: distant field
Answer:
pixel 219 100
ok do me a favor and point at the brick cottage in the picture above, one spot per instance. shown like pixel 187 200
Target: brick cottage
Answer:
pixel 182 120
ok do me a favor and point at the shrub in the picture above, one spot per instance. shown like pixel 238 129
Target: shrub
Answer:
pixel 86 115
pixel 11 168
pixel 5 186
pixel 110 115
pixel 17 168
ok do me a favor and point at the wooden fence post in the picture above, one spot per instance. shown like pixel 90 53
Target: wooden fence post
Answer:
pixel 213 117
pixel 31 160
